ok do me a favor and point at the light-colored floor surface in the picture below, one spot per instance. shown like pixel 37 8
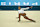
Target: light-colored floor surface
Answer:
pixel 9 19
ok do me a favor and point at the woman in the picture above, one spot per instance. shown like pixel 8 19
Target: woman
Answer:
pixel 21 12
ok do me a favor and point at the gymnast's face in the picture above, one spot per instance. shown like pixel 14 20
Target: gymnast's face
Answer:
pixel 19 8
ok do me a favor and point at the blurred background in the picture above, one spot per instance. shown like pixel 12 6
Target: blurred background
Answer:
pixel 16 7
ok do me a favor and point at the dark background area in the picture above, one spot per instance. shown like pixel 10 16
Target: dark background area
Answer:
pixel 16 7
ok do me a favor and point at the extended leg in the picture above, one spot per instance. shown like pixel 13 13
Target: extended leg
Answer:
pixel 28 18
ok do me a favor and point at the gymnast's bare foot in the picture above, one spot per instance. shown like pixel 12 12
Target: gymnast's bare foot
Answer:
pixel 33 21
